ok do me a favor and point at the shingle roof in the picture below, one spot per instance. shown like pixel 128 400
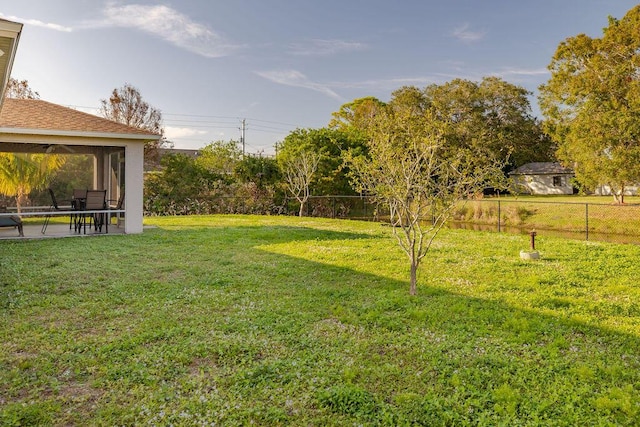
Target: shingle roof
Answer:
pixel 35 114
pixel 541 168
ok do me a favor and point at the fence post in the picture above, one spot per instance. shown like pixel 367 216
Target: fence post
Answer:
pixel 586 220
pixel 333 207
pixel 499 215
pixel 364 207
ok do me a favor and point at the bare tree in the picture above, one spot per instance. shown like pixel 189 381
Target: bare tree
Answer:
pixel 19 89
pixel 410 170
pixel 299 171
pixel 126 106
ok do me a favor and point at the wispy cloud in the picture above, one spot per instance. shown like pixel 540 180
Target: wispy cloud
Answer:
pixel 325 47
pixel 297 79
pixel 392 83
pixel 523 72
pixel 176 132
pixel 171 26
pixel 459 71
pixel 160 21
pixel 464 34
pixel 37 23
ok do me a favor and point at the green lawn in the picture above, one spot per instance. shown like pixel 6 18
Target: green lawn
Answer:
pixel 237 320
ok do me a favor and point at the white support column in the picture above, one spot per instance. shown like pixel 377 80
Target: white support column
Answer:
pixel 134 185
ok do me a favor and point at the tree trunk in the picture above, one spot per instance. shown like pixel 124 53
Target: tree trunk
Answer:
pixel 618 196
pixel 20 200
pixel 414 278
pixel 301 209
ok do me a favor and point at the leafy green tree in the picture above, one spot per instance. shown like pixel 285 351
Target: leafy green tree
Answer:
pixel 329 144
pixel 492 114
pixel 22 173
pixel 257 184
pixel 592 104
pixel 420 176
pixel 179 184
pixel 220 157
pixel 76 172
pixel 262 171
pixel 357 115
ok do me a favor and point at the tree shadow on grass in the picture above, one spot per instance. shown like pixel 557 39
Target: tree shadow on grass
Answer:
pixel 292 341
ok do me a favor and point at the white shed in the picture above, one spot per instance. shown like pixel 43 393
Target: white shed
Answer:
pixel 542 178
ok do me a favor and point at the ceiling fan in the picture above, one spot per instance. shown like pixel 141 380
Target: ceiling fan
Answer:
pixel 52 147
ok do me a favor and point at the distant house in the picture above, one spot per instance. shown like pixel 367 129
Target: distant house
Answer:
pixel 542 178
pixel 189 153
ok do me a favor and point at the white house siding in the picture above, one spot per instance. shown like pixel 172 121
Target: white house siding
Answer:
pixel 605 190
pixel 543 184
pixel 134 154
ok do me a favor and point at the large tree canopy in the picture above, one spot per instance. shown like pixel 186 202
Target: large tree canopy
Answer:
pixel 592 104
pixel 492 114
pixel 356 116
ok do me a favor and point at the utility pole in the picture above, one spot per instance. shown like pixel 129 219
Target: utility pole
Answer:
pixel 242 133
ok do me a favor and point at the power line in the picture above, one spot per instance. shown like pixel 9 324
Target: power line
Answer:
pixel 201 116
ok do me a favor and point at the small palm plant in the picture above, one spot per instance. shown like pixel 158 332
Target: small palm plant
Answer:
pixel 22 173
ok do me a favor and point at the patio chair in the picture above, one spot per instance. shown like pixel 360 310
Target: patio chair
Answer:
pixel 77 203
pixel 56 207
pixel 119 204
pixel 96 200
pixel 11 221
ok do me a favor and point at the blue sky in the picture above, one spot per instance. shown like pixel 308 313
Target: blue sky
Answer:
pixel 283 64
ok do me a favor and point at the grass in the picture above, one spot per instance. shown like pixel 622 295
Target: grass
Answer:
pixel 237 320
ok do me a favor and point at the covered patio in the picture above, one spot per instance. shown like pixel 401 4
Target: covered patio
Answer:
pixel 36 126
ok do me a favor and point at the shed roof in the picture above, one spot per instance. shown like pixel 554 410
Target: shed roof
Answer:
pixel 542 168
pixel 35 116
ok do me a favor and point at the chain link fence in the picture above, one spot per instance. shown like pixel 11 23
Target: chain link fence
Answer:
pixel 584 221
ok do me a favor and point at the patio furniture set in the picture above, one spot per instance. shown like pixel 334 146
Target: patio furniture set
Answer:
pixel 86 209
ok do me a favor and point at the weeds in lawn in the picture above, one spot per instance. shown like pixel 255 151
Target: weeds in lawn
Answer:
pixel 236 320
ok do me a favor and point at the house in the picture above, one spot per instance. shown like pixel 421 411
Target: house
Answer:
pixel 36 126
pixel 542 178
